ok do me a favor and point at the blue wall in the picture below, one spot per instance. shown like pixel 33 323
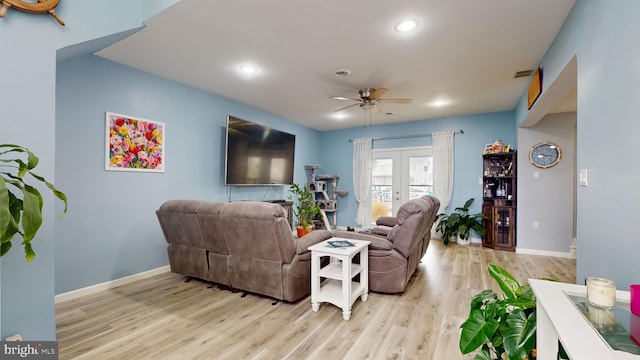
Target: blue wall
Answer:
pixel 603 35
pixel 478 131
pixel 28 97
pixel 111 230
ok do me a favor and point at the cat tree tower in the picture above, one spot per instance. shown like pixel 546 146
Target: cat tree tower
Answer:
pixel 319 185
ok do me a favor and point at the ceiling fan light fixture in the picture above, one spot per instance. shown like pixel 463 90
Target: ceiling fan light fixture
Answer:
pixel 406 25
pixel 366 106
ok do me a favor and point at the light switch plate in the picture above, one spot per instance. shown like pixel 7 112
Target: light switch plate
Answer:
pixel 584 177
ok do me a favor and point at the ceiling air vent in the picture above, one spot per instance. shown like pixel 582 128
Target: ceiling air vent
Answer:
pixel 523 73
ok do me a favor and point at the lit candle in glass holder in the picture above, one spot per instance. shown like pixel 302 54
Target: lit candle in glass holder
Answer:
pixel 601 292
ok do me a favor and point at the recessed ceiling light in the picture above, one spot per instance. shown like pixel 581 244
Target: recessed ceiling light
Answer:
pixel 248 69
pixel 406 25
pixel 390 113
pixel 440 103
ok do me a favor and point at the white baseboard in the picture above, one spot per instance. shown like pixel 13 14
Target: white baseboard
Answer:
pixel 545 253
pixel 110 284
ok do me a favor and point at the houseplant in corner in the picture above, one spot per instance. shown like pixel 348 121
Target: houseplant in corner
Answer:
pixel 460 222
pixel 305 208
pixel 20 215
pixel 504 326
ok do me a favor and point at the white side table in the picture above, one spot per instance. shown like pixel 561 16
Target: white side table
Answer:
pixel 340 289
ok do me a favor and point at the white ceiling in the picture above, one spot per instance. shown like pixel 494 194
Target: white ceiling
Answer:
pixel 464 51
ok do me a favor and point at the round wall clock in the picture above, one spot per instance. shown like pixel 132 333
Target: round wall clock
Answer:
pixel 545 154
pixel 39 7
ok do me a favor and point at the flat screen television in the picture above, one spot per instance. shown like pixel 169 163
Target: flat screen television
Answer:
pixel 257 155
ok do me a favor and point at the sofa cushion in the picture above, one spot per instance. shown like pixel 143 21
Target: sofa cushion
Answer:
pixel 377 243
pixel 381 230
pixel 389 221
pixel 312 238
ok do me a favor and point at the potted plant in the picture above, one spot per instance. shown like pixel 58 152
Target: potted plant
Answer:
pixel 460 222
pixel 504 326
pixel 305 208
pixel 20 215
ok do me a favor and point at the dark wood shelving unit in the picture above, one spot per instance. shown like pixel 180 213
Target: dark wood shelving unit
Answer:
pixel 499 200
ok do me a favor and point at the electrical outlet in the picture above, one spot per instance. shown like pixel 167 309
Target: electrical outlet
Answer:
pixel 536 225
pixel 16 337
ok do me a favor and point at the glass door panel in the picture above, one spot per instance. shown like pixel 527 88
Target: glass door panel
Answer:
pixel 381 187
pixel 398 176
pixel 420 176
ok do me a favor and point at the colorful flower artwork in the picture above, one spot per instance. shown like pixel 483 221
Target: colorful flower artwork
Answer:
pixel 134 144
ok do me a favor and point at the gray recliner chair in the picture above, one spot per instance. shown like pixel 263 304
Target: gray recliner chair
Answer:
pixel 187 251
pixel 264 257
pixel 397 244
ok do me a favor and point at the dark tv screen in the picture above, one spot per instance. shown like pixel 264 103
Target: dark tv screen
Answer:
pixel 258 155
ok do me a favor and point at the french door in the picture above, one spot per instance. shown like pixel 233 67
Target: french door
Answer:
pixel 397 176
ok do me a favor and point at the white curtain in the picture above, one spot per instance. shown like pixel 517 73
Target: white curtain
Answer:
pixel 443 167
pixel 362 179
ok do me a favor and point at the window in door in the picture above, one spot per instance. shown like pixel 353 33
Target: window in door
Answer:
pixel 397 176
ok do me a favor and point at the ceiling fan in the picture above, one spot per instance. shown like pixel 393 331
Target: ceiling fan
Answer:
pixel 369 99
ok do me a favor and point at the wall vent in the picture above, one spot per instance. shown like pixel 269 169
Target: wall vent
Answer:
pixel 523 73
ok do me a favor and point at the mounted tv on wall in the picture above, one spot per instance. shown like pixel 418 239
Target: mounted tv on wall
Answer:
pixel 257 155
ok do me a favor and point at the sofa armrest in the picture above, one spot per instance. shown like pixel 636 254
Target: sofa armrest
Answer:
pixel 376 242
pixel 312 238
pixel 389 221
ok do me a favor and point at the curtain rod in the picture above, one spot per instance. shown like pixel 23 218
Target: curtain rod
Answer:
pixel 408 136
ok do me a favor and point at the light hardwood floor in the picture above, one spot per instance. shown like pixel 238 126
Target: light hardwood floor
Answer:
pixel 164 317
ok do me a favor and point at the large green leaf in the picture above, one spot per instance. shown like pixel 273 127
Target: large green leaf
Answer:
pixel 520 334
pixel 59 194
pixel 508 284
pixel 5 213
pixel 482 298
pixel 32 212
pixel 28 251
pixel 483 354
pixel 5 247
pixel 476 331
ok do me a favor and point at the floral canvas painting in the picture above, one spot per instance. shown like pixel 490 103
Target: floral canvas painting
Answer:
pixel 134 144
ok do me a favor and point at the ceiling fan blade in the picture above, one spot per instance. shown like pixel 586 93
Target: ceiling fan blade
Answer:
pixel 346 107
pixel 344 98
pixel 395 101
pixel 378 92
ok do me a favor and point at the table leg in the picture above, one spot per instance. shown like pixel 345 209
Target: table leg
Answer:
pixel 364 273
pixel 315 282
pixel 546 336
pixel 346 287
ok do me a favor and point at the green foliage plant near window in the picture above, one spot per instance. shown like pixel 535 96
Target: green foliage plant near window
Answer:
pixel 460 222
pixel 502 328
pixel 305 208
pixel 21 214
